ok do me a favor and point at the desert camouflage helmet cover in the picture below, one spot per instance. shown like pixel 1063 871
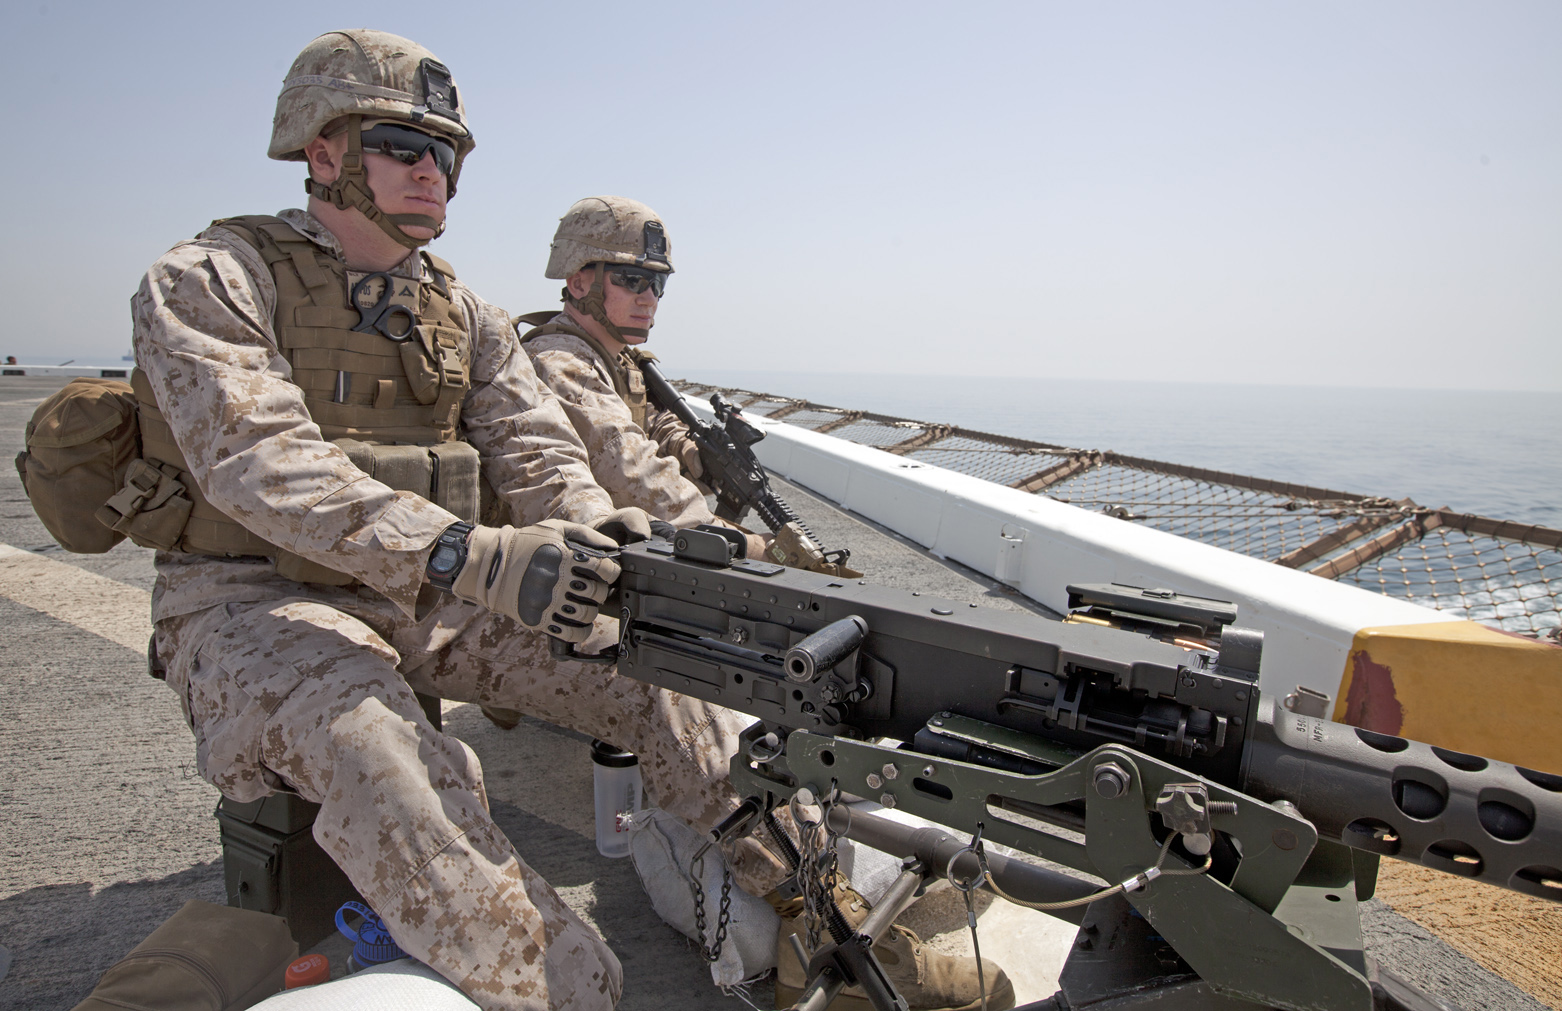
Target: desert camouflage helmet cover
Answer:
pixel 368 73
pixel 608 230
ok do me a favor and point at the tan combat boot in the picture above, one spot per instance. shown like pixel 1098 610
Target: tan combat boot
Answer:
pixel 929 980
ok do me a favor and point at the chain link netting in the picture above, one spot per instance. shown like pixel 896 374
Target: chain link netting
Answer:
pixel 1501 582
pixel 1251 522
pixel 999 464
pixel 1505 575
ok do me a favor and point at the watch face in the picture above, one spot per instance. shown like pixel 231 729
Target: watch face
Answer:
pixel 444 558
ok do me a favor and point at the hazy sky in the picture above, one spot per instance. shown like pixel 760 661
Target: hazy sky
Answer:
pixel 1308 193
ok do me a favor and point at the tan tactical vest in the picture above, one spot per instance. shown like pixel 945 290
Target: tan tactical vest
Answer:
pixel 628 382
pixel 393 404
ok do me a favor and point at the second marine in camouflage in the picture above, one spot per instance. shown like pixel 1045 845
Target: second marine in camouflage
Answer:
pixel 615 259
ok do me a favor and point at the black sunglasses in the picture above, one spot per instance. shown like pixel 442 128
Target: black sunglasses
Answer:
pixel 408 146
pixel 637 279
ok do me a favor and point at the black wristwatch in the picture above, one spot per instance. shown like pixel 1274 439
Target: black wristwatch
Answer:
pixel 449 556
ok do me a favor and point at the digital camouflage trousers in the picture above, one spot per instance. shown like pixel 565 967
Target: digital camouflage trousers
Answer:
pixel 316 696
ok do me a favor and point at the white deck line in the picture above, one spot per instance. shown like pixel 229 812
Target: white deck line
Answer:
pixel 1039 546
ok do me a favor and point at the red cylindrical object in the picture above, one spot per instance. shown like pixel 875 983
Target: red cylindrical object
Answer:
pixel 307 971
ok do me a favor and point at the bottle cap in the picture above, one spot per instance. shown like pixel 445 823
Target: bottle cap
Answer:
pixel 611 756
pixel 307 971
pixel 372 942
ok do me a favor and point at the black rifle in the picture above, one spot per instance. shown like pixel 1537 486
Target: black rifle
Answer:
pixel 732 471
pixel 1090 746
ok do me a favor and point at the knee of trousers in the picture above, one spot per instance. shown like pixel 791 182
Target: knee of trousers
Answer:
pixel 398 793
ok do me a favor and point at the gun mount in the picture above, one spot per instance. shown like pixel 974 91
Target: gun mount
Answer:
pixel 1104 749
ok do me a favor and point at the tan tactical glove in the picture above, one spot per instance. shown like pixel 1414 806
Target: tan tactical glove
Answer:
pixel 689 455
pixel 626 526
pixel 552 577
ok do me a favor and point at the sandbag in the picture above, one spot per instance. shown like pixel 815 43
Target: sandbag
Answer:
pixel 203 958
pixel 662 847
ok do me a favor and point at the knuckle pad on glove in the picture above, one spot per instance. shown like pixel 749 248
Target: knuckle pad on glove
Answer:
pixel 538 584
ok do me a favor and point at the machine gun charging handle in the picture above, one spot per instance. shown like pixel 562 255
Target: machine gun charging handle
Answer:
pixel 822 650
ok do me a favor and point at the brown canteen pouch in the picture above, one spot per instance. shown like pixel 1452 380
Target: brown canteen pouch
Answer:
pixel 203 958
pixel 83 472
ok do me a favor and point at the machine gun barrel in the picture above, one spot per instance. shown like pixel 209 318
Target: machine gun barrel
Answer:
pixel 1458 813
pixel 1042 694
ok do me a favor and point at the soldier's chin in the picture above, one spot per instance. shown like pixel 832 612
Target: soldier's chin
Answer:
pixel 419 231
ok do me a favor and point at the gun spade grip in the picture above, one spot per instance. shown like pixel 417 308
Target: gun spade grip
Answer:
pixel 824 649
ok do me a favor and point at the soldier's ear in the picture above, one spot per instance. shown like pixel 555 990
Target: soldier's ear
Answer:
pixel 580 282
pixel 325 157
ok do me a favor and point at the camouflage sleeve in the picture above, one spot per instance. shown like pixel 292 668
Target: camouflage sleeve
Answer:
pixel 623 459
pixel 672 438
pixel 531 455
pixel 203 337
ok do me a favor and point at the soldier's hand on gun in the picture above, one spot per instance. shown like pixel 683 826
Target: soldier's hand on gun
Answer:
pixel 627 525
pixel 553 576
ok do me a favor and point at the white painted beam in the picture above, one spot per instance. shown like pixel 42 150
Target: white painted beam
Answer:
pixel 1039 546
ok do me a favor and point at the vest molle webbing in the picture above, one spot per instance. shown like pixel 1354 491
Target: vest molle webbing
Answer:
pixel 360 386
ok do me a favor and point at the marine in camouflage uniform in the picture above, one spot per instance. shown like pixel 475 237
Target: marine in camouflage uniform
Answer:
pixel 297 636
pixel 640 452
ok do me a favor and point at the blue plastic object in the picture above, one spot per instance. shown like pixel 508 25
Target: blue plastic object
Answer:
pixel 372 943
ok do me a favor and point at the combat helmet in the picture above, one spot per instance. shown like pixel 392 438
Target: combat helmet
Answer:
pixel 603 231
pixel 374 76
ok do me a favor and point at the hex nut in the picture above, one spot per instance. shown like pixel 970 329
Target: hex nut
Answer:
pixel 890 771
pixel 874 782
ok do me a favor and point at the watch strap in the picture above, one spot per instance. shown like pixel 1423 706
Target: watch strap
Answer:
pixel 453 539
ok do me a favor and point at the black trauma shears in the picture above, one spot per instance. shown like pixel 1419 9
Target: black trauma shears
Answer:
pixel 389 320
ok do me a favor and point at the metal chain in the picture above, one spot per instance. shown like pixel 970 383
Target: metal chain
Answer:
pixel 819 866
pixel 710 952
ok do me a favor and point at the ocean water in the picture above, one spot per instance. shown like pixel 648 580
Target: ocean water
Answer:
pixel 1494 453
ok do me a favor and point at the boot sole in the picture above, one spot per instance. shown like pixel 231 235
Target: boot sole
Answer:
pixel 1001 999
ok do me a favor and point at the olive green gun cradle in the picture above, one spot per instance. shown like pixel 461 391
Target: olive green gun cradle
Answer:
pixel 1283 932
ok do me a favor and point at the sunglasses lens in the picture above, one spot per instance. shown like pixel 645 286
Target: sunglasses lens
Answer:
pixel 408 146
pixel 634 282
pixel 638 281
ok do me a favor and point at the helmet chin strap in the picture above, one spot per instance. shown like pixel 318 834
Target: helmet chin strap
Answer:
pixel 351 190
pixel 594 303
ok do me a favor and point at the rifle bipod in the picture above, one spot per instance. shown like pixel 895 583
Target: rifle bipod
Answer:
pixel 1274 927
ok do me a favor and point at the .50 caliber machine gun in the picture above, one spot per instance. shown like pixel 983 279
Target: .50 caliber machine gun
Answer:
pixel 1244 834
